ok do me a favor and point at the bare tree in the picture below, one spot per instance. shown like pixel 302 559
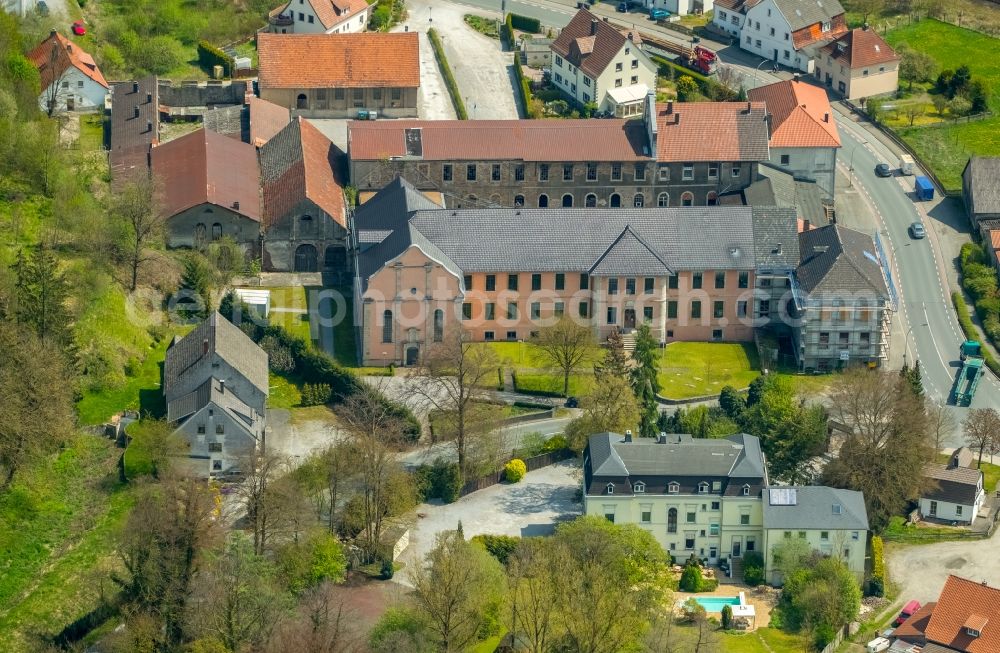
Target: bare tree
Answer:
pixel 139 222
pixel 270 503
pixel 56 72
pixel 322 623
pixel 941 422
pixel 982 431
pixel 565 345
pixel 533 573
pixel 340 469
pixel 385 489
pixel 456 374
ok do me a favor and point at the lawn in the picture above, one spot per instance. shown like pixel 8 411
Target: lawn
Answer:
pixel 57 528
pixel 947 148
pixel 764 640
pixel 897 531
pixel 695 369
pixel 283 393
pixel 534 374
pixel 91 132
pixel 290 310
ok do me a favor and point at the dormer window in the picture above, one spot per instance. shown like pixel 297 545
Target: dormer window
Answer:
pixel 703 487
pixel 639 487
pixel 837 508
pixel 673 487
pixel 746 490
pixel 971 632
pixel 611 488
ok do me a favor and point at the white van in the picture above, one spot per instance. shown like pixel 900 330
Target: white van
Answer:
pixel 878 644
pixel 906 165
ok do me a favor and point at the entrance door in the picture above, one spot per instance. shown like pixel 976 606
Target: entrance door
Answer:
pixel 305 259
pixel 412 356
pixel 737 546
pixel 629 318
pixel 70 103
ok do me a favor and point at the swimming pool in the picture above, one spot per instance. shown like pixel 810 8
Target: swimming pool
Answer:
pixel 715 603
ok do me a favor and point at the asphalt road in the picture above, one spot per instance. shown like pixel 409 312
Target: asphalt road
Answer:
pixel 513 434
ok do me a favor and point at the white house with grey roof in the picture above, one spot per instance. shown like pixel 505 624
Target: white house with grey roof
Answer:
pixel 955 492
pixel 834 522
pixel 215 382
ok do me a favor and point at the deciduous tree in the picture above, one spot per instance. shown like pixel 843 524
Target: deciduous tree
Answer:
pixel 616 361
pixel 138 222
pixel 610 406
pixel 534 571
pixel 565 346
pixel 915 66
pixel 941 422
pixel 982 431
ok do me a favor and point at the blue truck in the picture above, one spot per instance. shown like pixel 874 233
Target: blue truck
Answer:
pixel 967 380
pixel 923 188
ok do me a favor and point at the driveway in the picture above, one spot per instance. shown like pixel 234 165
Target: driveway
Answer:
pixel 483 72
pixel 298 433
pixel 532 507
pixel 920 571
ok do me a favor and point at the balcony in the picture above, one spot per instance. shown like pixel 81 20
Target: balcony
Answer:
pixel 280 19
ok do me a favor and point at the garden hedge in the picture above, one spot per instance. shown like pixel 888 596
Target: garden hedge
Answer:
pixel 969 329
pixel 210 56
pixel 525 23
pixel 449 78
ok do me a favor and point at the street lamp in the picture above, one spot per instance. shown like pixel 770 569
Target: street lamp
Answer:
pixel 764 61
pixel 850 167
pixel 906 343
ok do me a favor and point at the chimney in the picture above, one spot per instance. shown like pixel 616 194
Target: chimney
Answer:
pixel 135 112
pixel 677 118
pixel 631 36
pixel 135 87
pixel 222 386
pixel 149 98
pixel 593 26
pixel 149 125
pixel 204 347
pixel 806 226
pixel 670 107
pixel 748 109
pixel 236 205
pixel 826 117
pixel 69 48
pixel 662 439
pixel 628 435
pixel 52 32
pixel 865 27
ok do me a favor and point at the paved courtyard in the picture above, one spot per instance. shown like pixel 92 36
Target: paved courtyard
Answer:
pixel 920 571
pixel 534 506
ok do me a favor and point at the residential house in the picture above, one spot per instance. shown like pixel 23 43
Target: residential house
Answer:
pixel 964 619
pixel 846 306
pixel 335 75
pixel 678 7
pixel 208 187
pixel 663 160
pixel 134 127
pixel 70 78
pixel 981 192
pixel 775 187
pixel 320 17
pixel 591 58
pixel 956 493
pixel 215 382
pixel 304 212
pixel 860 64
pixel 536 52
pixel 699 496
pixel 789 32
pixel 254 122
pixel 833 522
pixel 502 274
pixel 803 133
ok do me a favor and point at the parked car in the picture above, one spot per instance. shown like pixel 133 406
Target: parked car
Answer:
pixel 43 8
pixel 906 612
pixel 78 28
pixel 877 645
pixel 883 170
pixel 658 14
pixel 906 165
pixel 572 402
pixel 917 231
pixel 623 7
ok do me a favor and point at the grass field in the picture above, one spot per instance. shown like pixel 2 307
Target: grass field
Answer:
pixel 948 147
pixel 91 131
pixel 290 310
pixel 57 528
pixel 695 369
pixel 764 640
pixel 534 374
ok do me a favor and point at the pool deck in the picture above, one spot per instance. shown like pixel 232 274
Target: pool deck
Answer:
pixel 763 603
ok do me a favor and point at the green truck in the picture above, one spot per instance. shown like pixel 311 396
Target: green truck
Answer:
pixel 968 376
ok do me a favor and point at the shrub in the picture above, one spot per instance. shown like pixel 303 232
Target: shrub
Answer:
pixel 970 330
pixel 210 56
pixel 876 586
pixel 727 617
pixel 753 568
pixel 498 546
pixel 515 470
pixel 316 394
pixel 441 480
pixel 524 23
pixel 388 570
pixel 555 443
pixel 449 78
pixel 279 357
pixel 691 579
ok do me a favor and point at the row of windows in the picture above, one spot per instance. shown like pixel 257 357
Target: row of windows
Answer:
pixel 387 326
pixel 568 171
pixel 583 310
pixel 648 283
pixel 219 429
pixel 673 487
pixel 844 339
pixel 614 200
pixel 536 281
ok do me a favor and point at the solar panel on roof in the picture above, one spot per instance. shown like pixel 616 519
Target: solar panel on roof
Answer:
pixel 414 142
pixel 783 496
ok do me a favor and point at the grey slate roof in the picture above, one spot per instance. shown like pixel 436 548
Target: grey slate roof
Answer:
pixel 814 509
pixel 213 392
pixel 778 188
pixel 229 121
pixel 953 484
pixel 630 254
pixel 221 337
pixel 982 175
pixel 738 456
pixel 776 239
pixel 803 13
pixel 837 261
pixel 397 199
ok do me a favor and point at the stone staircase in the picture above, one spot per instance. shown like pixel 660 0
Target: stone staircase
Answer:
pixel 628 342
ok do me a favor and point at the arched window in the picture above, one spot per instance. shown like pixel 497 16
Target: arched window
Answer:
pixel 639 201
pixel 712 199
pixel 687 198
pixel 518 201
pixel 663 199
pixel 438 325
pixel 386 326
pixel 301 102
pixel 567 200
pixel 615 201
pixel 590 201
pixel 672 520
pixel 306 218
pixel 216 231
pixel 543 201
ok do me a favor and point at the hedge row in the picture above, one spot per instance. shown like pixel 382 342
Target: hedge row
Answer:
pixel 708 86
pixel 878 580
pixel 969 329
pixel 210 56
pixel 449 78
pixel 524 87
pixel 524 23
pixel 507 33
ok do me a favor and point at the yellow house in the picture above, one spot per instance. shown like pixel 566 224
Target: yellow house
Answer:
pixel 833 522
pixel 696 496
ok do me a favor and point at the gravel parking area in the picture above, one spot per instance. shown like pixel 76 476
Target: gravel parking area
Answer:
pixel 532 507
pixel 921 570
pixel 300 432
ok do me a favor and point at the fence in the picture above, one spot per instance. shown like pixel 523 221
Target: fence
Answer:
pixel 533 463
pixel 843 633
pixel 952 121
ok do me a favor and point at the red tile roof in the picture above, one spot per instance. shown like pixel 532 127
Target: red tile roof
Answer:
pixel 860 48
pixel 711 131
pixel 912 630
pixel 815 34
pixel 590 43
pixel 206 167
pixel 56 54
pixel 962 600
pixel 995 239
pixel 266 120
pixel 362 60
pixel 801 115
pixel 496 140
